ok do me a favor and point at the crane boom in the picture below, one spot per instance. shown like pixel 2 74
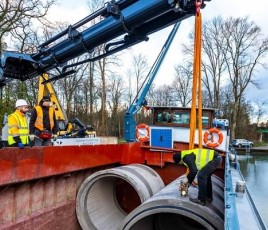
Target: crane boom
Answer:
pixel 129 121
pixel 121 24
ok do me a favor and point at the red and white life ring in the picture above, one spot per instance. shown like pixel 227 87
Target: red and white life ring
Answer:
pixel 208 138
pixel 142 132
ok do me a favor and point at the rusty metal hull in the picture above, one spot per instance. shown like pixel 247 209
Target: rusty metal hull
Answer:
pixel 39 185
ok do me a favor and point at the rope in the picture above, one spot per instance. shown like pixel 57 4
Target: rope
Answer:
pixel 196 83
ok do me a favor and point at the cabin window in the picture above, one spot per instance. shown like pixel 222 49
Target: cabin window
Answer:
pixel 177 117
pixel 205 120
pixel 182 118
pixel 163 117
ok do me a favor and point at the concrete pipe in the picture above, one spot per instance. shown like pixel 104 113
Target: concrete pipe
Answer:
pixel 106 197
pixel 168 210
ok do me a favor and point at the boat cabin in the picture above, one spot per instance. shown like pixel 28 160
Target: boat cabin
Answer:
pixel 180 116
pixel 170 128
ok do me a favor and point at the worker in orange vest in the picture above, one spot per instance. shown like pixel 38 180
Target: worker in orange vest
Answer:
pixel 18 131
pixel 43 123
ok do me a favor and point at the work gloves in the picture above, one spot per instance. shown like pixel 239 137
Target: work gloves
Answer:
pixel 18 141
pixel 31 137
pixel 184 185
pixel 20 145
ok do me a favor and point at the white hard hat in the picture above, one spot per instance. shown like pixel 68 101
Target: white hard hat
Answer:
pixel 21 102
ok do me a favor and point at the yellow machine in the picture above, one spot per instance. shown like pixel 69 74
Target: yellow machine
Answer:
pixel 47 89
pixel 66 128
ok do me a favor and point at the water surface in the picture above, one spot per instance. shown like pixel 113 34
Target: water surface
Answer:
pixel 255 171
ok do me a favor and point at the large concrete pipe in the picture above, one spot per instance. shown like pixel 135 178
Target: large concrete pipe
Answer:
pixel 168 210
pixel 106 197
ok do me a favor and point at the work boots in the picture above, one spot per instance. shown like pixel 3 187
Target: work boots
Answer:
pixel 197 201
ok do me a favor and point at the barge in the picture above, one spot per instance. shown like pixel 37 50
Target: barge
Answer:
pixel 120 186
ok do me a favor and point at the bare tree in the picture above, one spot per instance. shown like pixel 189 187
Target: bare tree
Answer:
pixel 245 47
pixel 115 92
pixel 213 64
pixel 101 66
pixel 18 15
pixel 17 20
pixel 103 70
pixel 89 92
pixel 260 110
pixel 70 85
pixel 213 61
pixel 138 72
pixel 182 84
pixel 234 49
pixel 150 97
pixel 164 96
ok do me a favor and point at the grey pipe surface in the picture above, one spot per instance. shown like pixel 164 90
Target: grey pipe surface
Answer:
pixel 168 210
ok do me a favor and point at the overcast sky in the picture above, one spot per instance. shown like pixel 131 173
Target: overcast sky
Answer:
pixel 257 11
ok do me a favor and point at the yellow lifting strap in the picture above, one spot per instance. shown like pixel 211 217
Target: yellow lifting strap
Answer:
pixel 197 86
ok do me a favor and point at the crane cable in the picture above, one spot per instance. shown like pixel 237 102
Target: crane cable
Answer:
pixel 197 80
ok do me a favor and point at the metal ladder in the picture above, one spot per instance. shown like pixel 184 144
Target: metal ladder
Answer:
pixel 248 149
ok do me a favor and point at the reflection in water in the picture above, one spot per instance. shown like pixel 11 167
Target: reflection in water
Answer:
pixel 255 172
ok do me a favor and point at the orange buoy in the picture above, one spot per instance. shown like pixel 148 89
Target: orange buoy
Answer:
pixel 142 132
pixel 210 142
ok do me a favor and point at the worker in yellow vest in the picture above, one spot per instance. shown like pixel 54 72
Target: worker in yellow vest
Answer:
pixel 43 123
pixel 204 162
pixel 18 131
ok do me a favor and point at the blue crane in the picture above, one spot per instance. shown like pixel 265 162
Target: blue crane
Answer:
pixel 120 24
pixel 139 101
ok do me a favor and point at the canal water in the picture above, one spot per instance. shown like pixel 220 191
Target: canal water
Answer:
pixel 255 172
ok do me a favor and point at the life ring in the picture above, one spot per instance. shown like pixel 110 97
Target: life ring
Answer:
pixel 210 142
pixel 142 132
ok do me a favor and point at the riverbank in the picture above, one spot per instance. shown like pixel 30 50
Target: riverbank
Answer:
pixel 262 150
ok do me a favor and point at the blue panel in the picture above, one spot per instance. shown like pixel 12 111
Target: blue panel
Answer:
pixel 161 138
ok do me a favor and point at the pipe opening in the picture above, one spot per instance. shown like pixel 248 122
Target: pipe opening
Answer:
pixel 106 197
pixel 167 221
pixel 126 196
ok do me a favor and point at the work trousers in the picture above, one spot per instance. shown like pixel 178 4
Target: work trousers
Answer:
pixel 204 178
pixel 42 142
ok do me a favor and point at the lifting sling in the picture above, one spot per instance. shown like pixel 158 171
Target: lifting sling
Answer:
pixel 197 86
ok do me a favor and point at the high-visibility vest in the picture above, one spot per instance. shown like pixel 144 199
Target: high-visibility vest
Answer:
pixel 18 126
pixel 39 118
pixel 203 156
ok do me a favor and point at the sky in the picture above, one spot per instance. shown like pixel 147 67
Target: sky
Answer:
pixel 73 11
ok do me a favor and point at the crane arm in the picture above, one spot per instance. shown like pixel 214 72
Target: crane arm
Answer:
pixel 123 23
pixel 129 121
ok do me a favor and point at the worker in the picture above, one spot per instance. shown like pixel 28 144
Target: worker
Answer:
pixel 204 162
pixel 43 123
pixel 18 130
